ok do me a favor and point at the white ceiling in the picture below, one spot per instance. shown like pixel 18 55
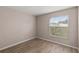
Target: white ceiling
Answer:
pixel 38 10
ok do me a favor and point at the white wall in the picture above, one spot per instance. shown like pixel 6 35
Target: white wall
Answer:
pixel 15 27
pixel 43 29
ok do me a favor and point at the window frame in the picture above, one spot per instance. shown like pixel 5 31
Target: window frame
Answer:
pixel 56 35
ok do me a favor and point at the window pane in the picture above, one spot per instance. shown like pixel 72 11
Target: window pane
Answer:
pixel 58 26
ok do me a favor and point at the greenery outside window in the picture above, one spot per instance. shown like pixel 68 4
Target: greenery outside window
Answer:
pixel 58 26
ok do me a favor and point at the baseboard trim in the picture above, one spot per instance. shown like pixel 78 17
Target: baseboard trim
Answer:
pixel 33 38
pixel 16 43
pixel 58 43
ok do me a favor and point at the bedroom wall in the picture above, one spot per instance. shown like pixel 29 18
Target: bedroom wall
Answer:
pixel 15 27
pixel 43 29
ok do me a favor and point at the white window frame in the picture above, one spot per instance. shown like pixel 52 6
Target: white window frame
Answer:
pixel 59 36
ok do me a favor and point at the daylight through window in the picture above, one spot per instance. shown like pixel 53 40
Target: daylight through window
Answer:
pixel 58 26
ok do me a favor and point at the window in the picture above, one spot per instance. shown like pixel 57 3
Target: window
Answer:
pixel 58 26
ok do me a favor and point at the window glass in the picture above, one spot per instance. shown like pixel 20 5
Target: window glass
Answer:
pixel 58 26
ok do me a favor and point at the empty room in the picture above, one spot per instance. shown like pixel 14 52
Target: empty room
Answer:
pixel 39 29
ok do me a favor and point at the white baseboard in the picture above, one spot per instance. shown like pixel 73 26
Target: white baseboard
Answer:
pixel 33 38
pixel 58 43
pixel 17 43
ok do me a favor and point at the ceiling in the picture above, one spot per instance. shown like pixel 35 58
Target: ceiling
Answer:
pixel 38 10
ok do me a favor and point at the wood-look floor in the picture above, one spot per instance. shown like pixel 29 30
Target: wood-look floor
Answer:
pixel 39 46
